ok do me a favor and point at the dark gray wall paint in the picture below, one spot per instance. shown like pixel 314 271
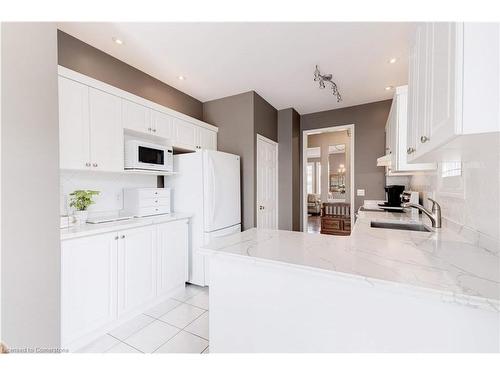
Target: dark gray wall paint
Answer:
pixel 240 118
pixel 30 187
pixel 369 143
pixel 289 169
pixel 83 58
pixel 234 116
pixel 265 118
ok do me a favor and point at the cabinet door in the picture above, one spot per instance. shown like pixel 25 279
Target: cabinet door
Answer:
pixel 185 133
pixel 172 255
pixel 421 100
pixel 136 268
pixel 443 84
pixel 74 136
pixel 206 139
pixel 413 85
pixel 88 285
pixel 162 124
pixel 106 134
pixel 136 117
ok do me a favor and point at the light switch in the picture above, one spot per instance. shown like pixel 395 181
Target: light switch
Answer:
pixel 361 192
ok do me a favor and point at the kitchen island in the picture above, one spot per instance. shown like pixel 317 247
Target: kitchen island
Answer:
pixel 379 290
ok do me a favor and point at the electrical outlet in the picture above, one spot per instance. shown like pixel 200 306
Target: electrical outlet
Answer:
pixel 361 192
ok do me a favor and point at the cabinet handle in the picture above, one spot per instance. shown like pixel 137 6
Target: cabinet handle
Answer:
pixel 410 150
pixel 154 130
pixel 95 164
pixel 87 164
pixel 116 238
pixel 123 236
pixel 149 129
pixel 424 139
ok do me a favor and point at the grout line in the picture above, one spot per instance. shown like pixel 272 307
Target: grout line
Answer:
pixel 133 333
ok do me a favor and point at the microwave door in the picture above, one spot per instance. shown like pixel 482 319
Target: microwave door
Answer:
pixel 151 156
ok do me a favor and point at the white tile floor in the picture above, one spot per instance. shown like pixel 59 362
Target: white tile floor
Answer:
pixel 178 325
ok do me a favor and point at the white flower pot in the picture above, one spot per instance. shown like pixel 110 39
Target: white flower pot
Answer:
pixel 81 217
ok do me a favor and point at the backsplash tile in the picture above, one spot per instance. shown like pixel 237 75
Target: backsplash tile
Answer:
pixel 110 185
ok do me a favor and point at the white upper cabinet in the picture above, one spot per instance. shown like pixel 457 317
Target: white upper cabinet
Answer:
pixel 185 133
pixel 453 86
pixel 162 125
pixel 397 127
pixel 136 117
pixel 74 132
pixel 106 134
pixel 206 139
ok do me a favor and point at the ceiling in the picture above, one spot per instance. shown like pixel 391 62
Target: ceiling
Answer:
pixel 276 60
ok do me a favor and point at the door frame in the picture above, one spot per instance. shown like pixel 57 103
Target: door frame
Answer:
pixel 305 134
pixel 275 144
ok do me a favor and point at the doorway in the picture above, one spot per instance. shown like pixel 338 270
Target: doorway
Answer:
pixel 267 183
pixel 328 172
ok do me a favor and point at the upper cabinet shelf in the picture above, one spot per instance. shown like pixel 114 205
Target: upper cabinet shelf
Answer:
pixel 93 117
pixel 453 88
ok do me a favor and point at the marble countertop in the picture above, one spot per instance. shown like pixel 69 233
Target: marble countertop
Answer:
pixel 93 229
pixel 440 261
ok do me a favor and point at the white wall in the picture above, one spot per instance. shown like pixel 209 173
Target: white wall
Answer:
pixel 30 187
pixel 110 186
pixel 472 200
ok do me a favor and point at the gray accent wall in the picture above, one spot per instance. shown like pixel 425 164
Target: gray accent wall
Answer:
pixel 83 58
pixel 289 169
pixel 369 143
pixel 30 187
pixel 239 118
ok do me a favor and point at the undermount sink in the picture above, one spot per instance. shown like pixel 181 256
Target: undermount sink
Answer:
pixel 400 226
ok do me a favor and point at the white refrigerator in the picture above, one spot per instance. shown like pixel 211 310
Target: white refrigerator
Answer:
pixel 208 187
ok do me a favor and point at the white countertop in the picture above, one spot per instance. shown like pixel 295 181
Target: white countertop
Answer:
pixel 440 261
pixel 93 229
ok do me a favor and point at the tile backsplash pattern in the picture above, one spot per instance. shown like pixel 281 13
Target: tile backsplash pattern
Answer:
pixel 477 206
pixel 110 185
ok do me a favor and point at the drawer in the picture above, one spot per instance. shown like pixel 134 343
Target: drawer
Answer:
pixel 148 211
pixel 153 202
pixel 153 193
pixel 330 223
pixel 347 225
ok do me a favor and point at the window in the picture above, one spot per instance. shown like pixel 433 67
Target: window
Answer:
pixel 310 178
pixel 318 178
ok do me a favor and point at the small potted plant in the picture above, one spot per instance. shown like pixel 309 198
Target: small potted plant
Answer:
pixel 81 200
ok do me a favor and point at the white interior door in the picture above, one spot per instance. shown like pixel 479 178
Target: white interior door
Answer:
pixel 267 183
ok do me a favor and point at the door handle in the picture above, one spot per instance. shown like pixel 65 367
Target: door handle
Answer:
pixel 424 139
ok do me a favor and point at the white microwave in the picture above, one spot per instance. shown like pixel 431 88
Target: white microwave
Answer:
pixel 148 156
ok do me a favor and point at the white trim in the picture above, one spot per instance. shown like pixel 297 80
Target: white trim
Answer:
pixel 275 144
pixel 305 134
pixel 86 80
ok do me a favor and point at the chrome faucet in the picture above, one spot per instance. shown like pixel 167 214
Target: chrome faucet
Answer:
pixel 434 214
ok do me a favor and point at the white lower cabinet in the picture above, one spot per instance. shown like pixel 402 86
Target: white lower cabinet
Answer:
pixel 88 285
pixel 136 268
pixel 173 242
pixel 109 277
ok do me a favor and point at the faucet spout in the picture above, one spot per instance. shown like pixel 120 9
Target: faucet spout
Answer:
pixel 434 215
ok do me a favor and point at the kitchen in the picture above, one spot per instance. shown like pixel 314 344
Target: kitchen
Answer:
pixel 181 216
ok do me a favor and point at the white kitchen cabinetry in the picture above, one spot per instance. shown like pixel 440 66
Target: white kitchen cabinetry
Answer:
pixel 453 86
pixel 136 117
pixel 108 278
pixel 184 134
pixel 74 132
pixel 162 125
pixel 173 242
pixel 88 285
pixel 396 135
pixel 106 135
pixel 90 132
pixel 136 268
pixel 206 139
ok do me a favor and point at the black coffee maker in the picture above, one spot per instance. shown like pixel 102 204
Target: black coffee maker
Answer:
pixel 393 195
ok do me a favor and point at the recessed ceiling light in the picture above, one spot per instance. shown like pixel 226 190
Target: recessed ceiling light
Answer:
pixel 117 40
pixel 387 88
pixel 181 78
pixel 393 60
